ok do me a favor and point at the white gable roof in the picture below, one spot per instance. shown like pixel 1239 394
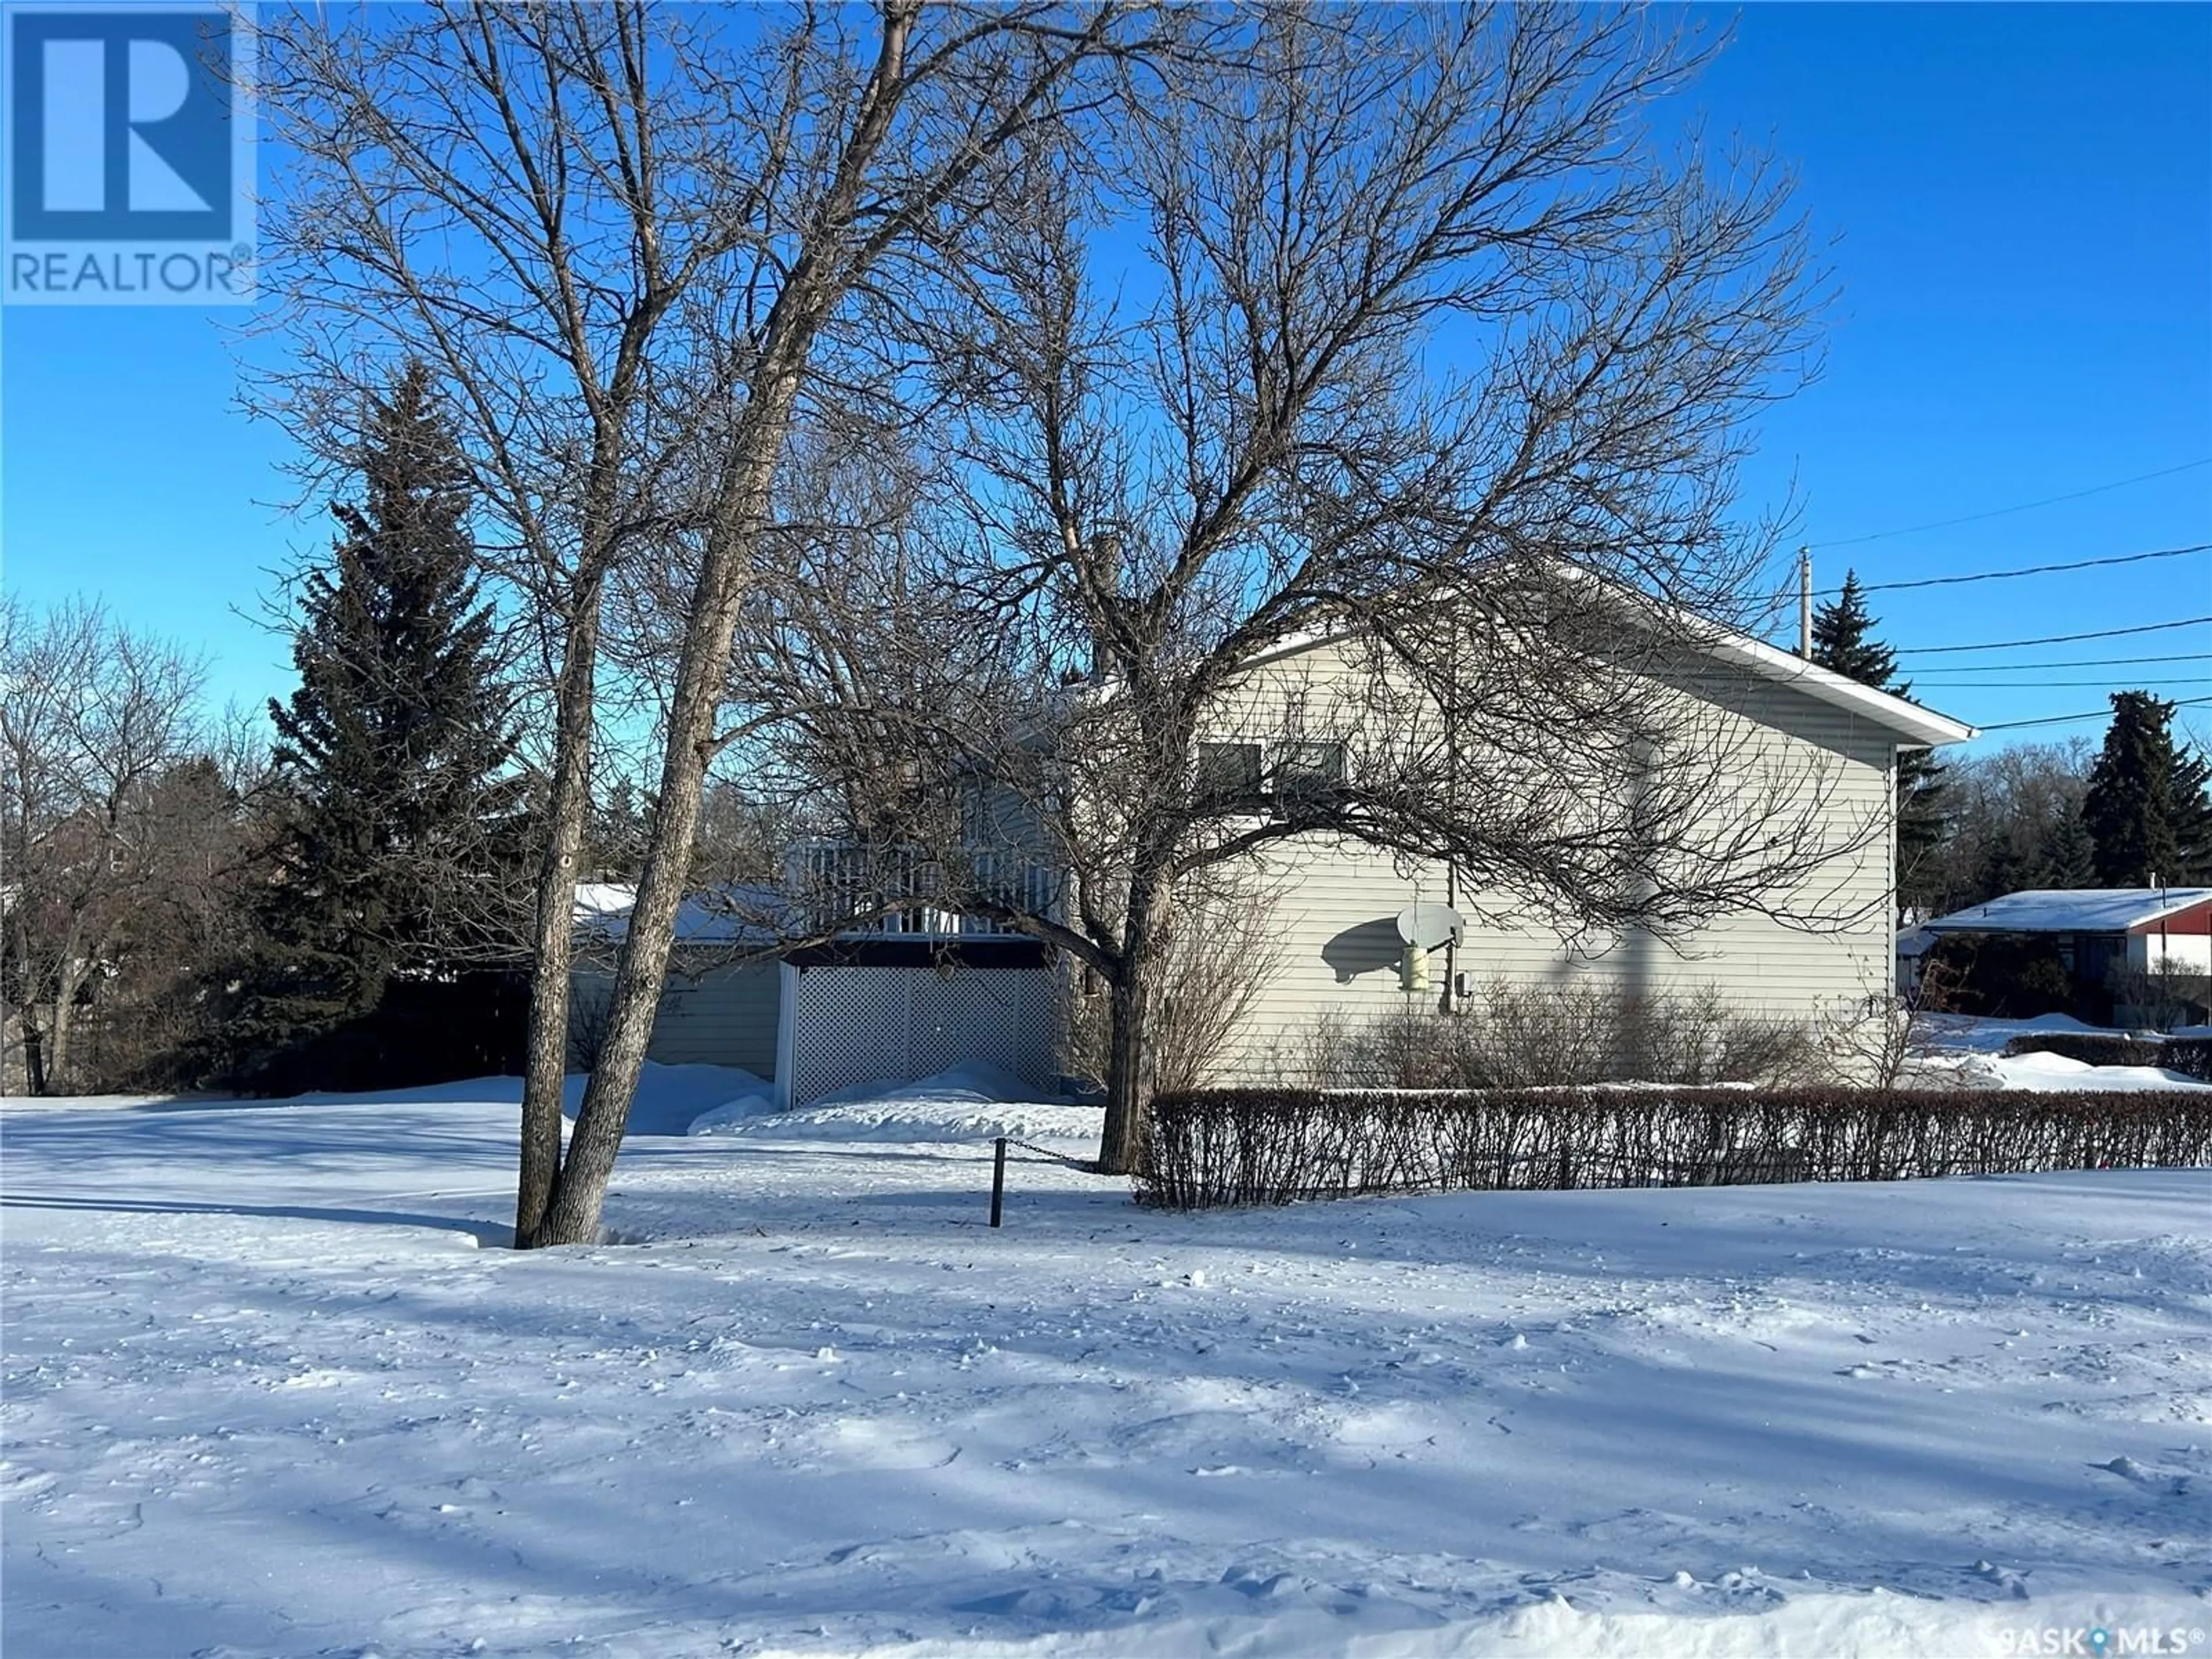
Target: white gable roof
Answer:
pixel 2072 910
pixel 1916 727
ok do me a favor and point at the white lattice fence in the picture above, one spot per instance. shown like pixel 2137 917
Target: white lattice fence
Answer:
pixel 863 1025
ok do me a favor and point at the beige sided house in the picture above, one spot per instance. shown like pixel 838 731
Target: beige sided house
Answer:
pixel 921 988
pixel 1337 905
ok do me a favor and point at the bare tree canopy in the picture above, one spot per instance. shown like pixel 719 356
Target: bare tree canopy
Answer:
pixel 97 725
pixel 1401 329
pixel 634 241
pixel 1031 382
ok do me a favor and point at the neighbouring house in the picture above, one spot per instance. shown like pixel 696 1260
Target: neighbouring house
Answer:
pixel 2129 956
pixel 1913 944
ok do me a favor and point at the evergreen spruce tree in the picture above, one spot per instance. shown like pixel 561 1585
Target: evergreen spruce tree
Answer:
pixel 2192 818
pixel 620 826
pixel 2005 868
pixel 2073 861
pixel 2129 807
pixel 392 751
pixel 1843 641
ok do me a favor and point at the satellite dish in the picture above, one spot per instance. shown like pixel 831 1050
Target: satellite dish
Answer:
pixel 1425 926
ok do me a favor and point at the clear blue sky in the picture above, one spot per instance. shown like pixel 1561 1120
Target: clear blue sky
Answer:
pixel 2022 204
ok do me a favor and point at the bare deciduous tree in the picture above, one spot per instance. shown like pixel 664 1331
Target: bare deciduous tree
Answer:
pixel 1220 952
pixel 94 718
pixel 526 198
pixel 624 236
pixel 1424 347
pixel 885 185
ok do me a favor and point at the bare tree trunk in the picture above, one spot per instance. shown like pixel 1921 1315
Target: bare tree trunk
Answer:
pixel 61 1029
pixel 1128 1063
pixel 34 1063
pixel 567 810
pixel 641 967
pixel 1126 1104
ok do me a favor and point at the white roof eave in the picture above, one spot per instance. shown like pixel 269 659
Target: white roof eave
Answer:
pixel 1920 725
pixel 1917 726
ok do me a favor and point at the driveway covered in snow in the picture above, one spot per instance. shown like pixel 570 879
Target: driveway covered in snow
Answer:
pixel 270 1388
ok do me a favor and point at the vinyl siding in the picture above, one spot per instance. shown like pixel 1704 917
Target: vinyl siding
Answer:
pixel 717 1014
pixel 1335 903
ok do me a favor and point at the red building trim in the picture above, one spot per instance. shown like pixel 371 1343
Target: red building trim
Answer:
pixel 2197 919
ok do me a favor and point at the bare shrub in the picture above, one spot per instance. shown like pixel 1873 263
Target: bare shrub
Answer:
pixel 1876 1040
pixel 2159 999
pixel 1222 953
pixel 1521 1036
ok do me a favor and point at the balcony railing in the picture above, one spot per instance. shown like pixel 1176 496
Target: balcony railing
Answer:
pixel 852 887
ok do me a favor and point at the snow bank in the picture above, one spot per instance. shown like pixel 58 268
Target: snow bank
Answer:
pixel 732 1115
pixel 1964 1051
pixel 2053 1073
pixel 671 1099
pixel 923 1118
pixel 972 1079
pixel 1971 1034
pixel 973 1101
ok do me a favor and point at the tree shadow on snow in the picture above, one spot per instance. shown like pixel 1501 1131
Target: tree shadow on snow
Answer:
pixel 487 1234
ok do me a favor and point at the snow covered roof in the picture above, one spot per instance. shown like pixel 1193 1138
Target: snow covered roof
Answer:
pixel 2072 910
pixel 726 915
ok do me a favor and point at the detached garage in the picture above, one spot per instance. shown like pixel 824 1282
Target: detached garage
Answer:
pixel 864 1009
pixel 814 1019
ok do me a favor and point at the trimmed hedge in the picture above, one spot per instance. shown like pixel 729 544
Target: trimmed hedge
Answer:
pixel 2191 1056
pixel 1221 1146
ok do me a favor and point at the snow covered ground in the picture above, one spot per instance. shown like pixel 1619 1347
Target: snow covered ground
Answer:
pixel 267 1392
pixel 1957 1051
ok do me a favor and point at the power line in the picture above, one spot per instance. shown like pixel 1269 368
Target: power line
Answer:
pixel 2054 685
pixel 2050 639
pixel 2071 720
pixel 2004 576
pixel 2030 571
pixel 2023 507
pixel 2063 662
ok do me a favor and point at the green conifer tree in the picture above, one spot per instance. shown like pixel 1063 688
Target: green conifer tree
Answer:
pixel 2129 806
pixel 393 755
pixel 2073 861
pixel 2192 817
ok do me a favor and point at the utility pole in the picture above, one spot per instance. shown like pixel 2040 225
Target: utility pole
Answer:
pixel 1805 603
